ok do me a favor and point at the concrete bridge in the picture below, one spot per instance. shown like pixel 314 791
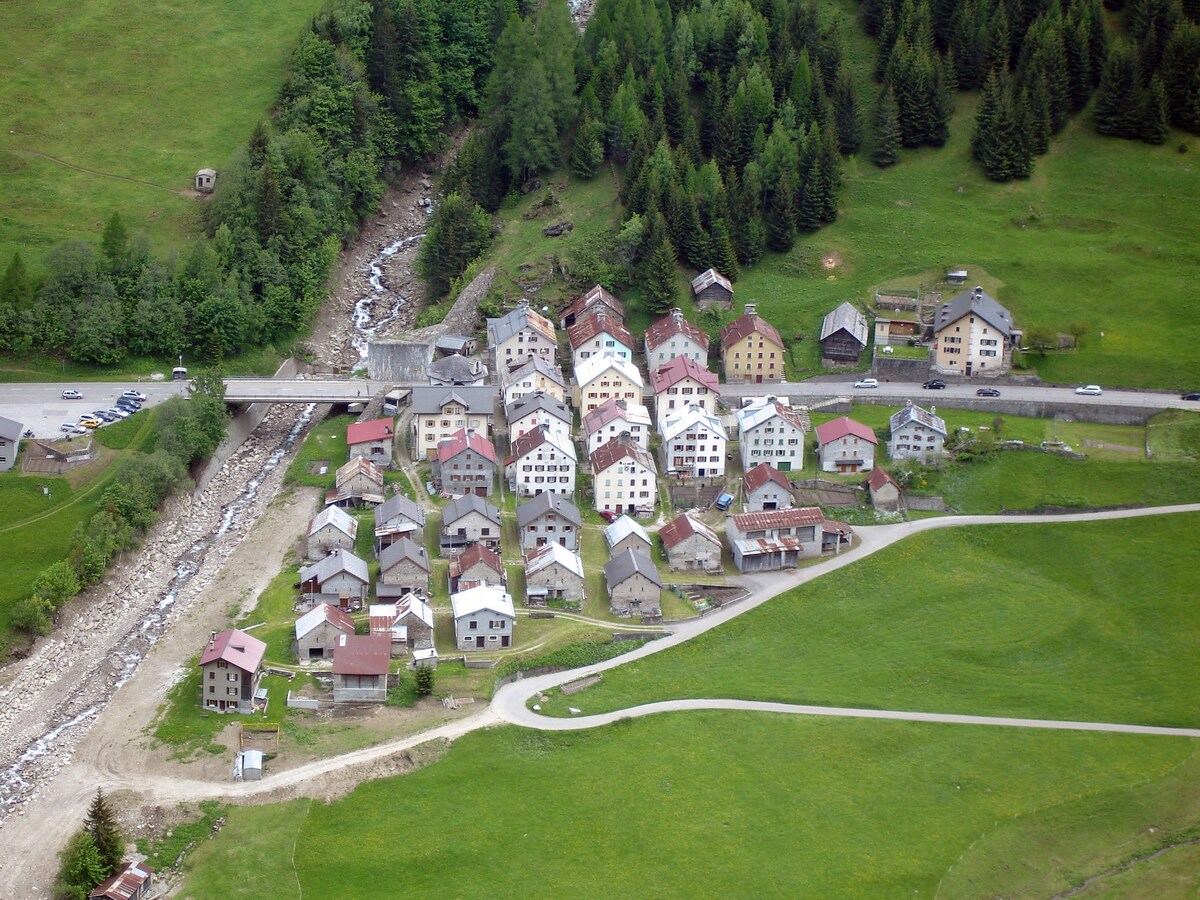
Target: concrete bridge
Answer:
pixel 304 390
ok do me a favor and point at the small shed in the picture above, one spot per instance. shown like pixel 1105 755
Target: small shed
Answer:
pixel 957 276
pixel 425 659
pixel 251 764
pixel 711 288
pixel 206 181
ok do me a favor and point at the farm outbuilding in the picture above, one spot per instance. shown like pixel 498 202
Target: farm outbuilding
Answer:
pixel 249 766
pixel 206 181
pixel 711 288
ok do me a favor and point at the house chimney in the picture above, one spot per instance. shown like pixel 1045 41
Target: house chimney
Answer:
pixel 624 438
pixel 212 640
pixel 546 427
pixel 752 309
pixel 677 314
pixel 622 403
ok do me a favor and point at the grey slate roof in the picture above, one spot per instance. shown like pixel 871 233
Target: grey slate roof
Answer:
pixel 629 563
pixel 501 329
pixel 915 413
pixel 541 402
pixel 544 503
pixel 399 505
pixel 477 399
pixel 341 561
pixel 9 429
pixel 848 317
pixel 468 503
pixel 455 343
pixel 457 369
pixel 977 302
pixel 401 550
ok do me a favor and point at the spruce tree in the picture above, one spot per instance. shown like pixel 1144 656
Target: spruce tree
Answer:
pixel 101 824
pixel 270 203
pixel 722 256
pixel 846 115
pixel 1119 102
pixel 808 210
pixel 1037 106
pixel 781 215
pixel 1154 113
pixel 658 277
pixel 1180 72
pixel 886 125
pixel 16 290
pixel 586 152
pixel 115 241
pixel 259 142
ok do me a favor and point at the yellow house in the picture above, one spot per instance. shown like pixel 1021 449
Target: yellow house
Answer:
pixel 603 377
pixel 751 349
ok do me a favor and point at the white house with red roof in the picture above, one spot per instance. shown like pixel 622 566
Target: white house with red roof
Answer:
pixel 765 488
pixel 673 336
pixel 230 671
pixel 845 446
pixel 542 461
pixel 466 463
pixel 681 383
pixel 611 418
pixel 624 478
pixel 596 333
pixel 374 440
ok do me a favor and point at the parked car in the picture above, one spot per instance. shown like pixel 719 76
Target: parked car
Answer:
pixel 935 385
pixel 126 403
pixel 72 428
pixel 867 383
pixel 90 423
pixel 72 395
pixel 724 502
pixel 135 395
pixel 987 392
pixel 1190 395
pixel 118 412
pixel 104 415
pixel 607 516
pixel 1089 390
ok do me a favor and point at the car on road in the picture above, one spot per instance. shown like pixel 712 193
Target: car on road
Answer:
pixel 72 395
pixel 1190 395
pixel 987 392
pixel 135 395
pixel 1089 390
pixel 867 383
pixel 935 385
pixel 118 412
pixel 72 428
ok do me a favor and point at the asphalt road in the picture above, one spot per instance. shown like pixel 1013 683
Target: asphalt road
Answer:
pixel 40 406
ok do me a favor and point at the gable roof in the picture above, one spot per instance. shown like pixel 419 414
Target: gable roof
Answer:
pixel 399 551
pixel 539 402
pixel 463 440
pixel 335 563
pixel 473 555
pixel 321 613
pixel 476 399
pixel 612 409
pixel 673 324
pixel 596 323
pixel 977 302
pixel 879 477
pixel 551 554
pixel 534 364
pixel 375 430
pixel 708 278
pixel 483 597
pixel 414 606
pixel 9 429
pixel 596 365
pixel 914 413
pixel 536 437
pixel 679 368
pixel 236 648
pixel 338 518
pixel 399 506
pixel 623 528
pixel 747 324
pixel 845 317
pixel 689 417
pixel 362 654
pixel 752 416
pixel 523 317
pixel 763 473
pixel 595 297
pixel 615 450
pixel 843 427
pixel 469 503
pixel 356 466
pixel 778 518
pixel 547 502
pixel 130 877
pixel 457 369
pixel 628 563
pixel 683 528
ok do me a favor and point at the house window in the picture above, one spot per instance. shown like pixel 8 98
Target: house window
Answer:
pixel 473 626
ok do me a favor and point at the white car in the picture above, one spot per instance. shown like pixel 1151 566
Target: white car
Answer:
pixel 867 383
pixel 118 412
pixel 135 395
pixel 72 428
pixel 72 395
pixel 1090 390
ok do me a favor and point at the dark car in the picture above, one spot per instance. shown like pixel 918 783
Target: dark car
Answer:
pixel 126 403
pixel 987 392
pixel 1190 395
pixel 934 385
pixel 104 415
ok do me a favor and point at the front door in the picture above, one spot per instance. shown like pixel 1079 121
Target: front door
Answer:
pixel 479 642
pixel 758 379
pixel 504 640
pixel 968 368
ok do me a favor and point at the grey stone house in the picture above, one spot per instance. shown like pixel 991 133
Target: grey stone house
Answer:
pixel 456 370
pixel 331 529
pixel 466 520
pixel 916 433
pixel 466 464
pixel 765 488
pixel 548 519
pixel 397 517
pixel 691 545
pixel 405 565
pixel 474 566
pixel 634 586
pixel 360 668
pixel 885 492
pixel 626 534
pixel 340 578
pixel 318 629
pixel 843 336
pixel 10 443
pixel 553 571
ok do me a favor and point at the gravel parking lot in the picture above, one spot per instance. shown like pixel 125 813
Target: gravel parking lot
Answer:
pixel 40 406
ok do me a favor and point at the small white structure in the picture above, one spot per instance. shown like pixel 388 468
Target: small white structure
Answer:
pixel 206 181
pixel 249 766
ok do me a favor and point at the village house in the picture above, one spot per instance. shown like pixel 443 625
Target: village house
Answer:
pixel 519 334
pixel 626 534
pixel 542 461
pixel 555 572
pixel 916 433
pixel 624 479
pixel 358 481
pixel 475 566
pixel 534 375
pixel 673 336
pixel 397 517
pixel 131 881
pixel 466 520
pixel 845 446
pixel 466 464
pixel 10 443
pixel 693 444
pixel 680 383
pixel 598 333
pixel 318 630
pixel 751 349
pixel 885 492
pixel 597 299
pixel 537 410
pixel 711 288
pixel 450 344
pixel 456 370
pixel 691 545
pixel 360 668
pixel 437 413
pixel 548 519
pixel 767 541
pixel 843 336
pixel 770 431
pixel 765 488
pixel 602 377
pixel 408 624
pixel 972 335
pixel 634 585
pixel 340 577
pixel 382 622
pixel 404 565
pixel 483 618
pixel 373 440
pixel 229 671
pixel 331 529
pixel 611 419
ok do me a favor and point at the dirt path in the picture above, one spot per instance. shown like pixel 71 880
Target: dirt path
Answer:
pixel 191 195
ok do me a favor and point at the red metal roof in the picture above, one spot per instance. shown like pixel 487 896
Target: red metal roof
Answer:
pixel 843 427
pixel 670 325
pixel 684 527
pixel 128 880
pixel 778 518
pixel 460 441
pixel 476 553
pixel 878 478
pixel 361 654
pixel 597 295
pixel 614 451
pixel 235 647
pixel 375 430
pixel 598 322
pixel 747 324
pixel 679 368
pixel 761 474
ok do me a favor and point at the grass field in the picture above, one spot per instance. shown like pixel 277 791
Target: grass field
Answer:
pixel 711 804
pixel 1045 621
pixel 141 95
